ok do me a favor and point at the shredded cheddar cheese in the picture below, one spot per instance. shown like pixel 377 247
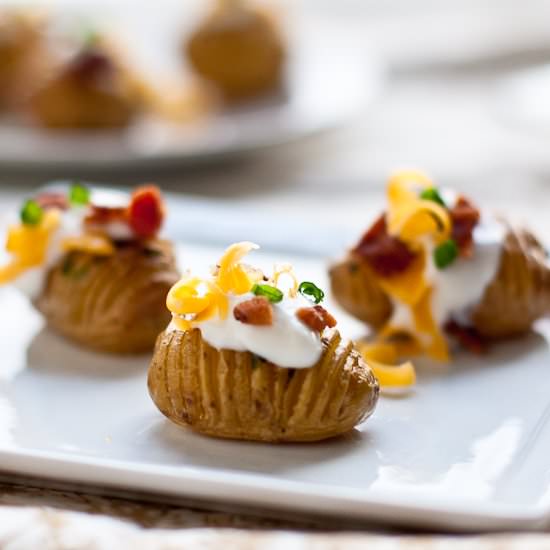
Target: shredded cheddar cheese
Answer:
pixel 401 376
pixel 232 276
pixel 93 244
pixel 28 245
pixel 193 299
pixel 436 347
pixel 382 357
pixel 411 217
pixel 417 222
pixel 407 287
pixel 286 269
pixel 402 184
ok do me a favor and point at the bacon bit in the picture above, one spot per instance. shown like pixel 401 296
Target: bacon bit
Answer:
pixel 51 199
pixel 468 337
pixel 89 65
pixel 464 217
pixel 387 255
pixel 256 311
pixel 102 215
pixel 317 318
pixel 144 215
pixel 146 211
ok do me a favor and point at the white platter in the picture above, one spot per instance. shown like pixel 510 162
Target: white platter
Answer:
pixel 467 450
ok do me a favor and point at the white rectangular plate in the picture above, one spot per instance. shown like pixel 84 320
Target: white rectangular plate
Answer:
pixel 468 449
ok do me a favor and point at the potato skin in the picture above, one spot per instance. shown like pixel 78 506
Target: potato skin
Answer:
pixel 520 292
pixel 236 395
pixel 23 55
pixel 64 105
pixel 241 54
pixel 356 290
pixel 114 304
pixel 90 91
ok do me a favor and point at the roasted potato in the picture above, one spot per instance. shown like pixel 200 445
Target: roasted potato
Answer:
pixel 239 50
pixel 90 92
pixel 114 304
pixel 354 286
pixel 22 54
pixel 237 395
pixel 518 295
pixel 520 292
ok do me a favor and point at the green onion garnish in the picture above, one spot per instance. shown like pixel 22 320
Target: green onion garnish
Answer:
pixel 79 195
pixel 31 213
pixel 90 37
pixel 445 254
pixel 272 293
pixel 311 292
pixel 432 194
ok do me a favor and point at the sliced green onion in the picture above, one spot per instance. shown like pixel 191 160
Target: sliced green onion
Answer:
pixel 272 293
pixel 79 195
pixel 31 213
pixel 311 292
pixel 445 254
pixel 432 194
pixel 90 37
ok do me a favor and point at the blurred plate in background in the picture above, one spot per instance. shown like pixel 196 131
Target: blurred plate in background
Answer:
pixel 524 100
pixel 325 88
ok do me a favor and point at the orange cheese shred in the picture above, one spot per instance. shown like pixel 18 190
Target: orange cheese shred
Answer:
pixel 425 324
pixel 193 300
pixel 381 358
pixel 414 220
pixel 232 277
pixel 409 286
pixel 97 245
pixel 28 245
pixel 288 270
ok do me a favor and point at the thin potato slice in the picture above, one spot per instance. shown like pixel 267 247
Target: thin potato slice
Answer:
pixel 237 395
pixel 113 304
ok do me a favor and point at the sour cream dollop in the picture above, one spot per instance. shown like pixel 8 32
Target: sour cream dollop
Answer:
pixel 460 286
pixel 287 342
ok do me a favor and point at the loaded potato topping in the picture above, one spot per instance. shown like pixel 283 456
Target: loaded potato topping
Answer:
pixel 424 254
pixel 238 307
pixel 56 222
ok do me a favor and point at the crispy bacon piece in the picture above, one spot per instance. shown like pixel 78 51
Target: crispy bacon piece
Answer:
pixel 387 255
pixel 146 211
pixel 464 217
pixel 144 215
pixel 51 199
pixel 89 65
pixel 468 337
pixel 256 311
pixel 101 215
pixel 317 318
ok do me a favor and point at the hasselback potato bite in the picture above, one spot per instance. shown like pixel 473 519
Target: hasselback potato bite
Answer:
pixel 92 89
pixel 238 48
pixel 22 52
pixel 245 359
pixel 435 267
pixel 92 263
